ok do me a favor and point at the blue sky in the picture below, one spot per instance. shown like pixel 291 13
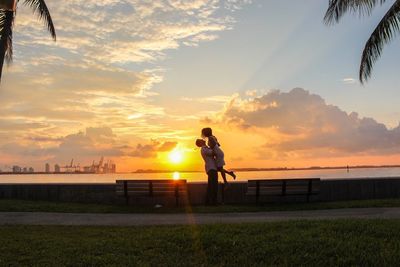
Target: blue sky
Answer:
pixel 285 44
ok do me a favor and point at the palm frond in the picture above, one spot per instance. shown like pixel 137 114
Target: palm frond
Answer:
pixel 383 34
pixel 337 8
pixel 40 8
pixel 6 33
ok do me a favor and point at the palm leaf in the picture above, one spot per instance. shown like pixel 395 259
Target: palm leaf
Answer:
pixel 6 49
pixel 6 24
pixel 40 8
pixel 337 8
pixel 383 34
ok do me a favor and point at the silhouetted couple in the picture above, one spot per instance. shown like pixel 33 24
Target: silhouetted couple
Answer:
pixel 214 160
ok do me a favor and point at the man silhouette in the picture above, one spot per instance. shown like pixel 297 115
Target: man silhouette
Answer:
pixel 211 170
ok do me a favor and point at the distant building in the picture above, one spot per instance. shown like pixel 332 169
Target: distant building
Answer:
pixel 16 169
pixel 47 168
pixel 109 167
pixel 31 170
pixel 57 168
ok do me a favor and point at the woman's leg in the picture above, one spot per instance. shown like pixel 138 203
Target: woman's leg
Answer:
pixel 231 173
pixel 222 171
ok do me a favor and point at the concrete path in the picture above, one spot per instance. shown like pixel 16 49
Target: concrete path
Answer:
pixel 44 218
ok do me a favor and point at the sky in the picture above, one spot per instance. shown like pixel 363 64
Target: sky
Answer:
pixel 136 80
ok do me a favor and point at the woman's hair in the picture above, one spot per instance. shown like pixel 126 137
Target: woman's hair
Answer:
pixel 199 142
pixel 206 132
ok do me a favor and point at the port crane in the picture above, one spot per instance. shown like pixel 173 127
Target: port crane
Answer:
pixel 71 167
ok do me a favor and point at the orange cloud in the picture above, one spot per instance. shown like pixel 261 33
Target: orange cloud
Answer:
pixel 301 121
pixel 151 150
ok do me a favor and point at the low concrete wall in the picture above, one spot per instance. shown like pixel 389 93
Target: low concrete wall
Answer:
pixel 331 190
pixel 81 193
pixel 360 188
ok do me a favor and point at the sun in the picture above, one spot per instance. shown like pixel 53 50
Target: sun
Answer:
pixel 176 156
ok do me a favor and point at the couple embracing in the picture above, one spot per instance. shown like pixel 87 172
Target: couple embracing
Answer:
pixel 213 157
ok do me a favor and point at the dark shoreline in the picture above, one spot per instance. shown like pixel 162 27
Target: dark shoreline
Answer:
pixel 281 169
pixel 234 169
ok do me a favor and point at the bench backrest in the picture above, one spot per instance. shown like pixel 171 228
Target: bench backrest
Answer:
pixel 283 187
pixel 151 187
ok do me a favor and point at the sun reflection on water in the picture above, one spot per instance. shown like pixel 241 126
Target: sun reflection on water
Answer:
pixel 176 176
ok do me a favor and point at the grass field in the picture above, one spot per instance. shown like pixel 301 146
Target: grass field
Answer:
pixel 315 243
pixel 45 206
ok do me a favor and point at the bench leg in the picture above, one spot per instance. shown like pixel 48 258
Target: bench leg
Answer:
pixel 257 192
pixel 126 192
pixel 309 190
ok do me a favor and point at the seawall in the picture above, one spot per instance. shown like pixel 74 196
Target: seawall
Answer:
pixel 330 190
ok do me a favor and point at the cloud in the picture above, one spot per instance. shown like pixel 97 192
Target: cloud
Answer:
pixel 124 31
pixel 100 72
pixel 17 125
pixel 90 144
pixel 99 76
pixel 151 150
pixel 85 146
pixel 301 121
pixel 349 80
pixel 219 99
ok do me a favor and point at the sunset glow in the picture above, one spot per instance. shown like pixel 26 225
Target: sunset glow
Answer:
pixel 176 156
pixel 136 83
pixel 176 132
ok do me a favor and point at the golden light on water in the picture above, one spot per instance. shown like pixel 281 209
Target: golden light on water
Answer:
pixel 176 176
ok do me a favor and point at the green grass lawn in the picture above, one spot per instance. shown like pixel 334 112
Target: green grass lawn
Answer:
pixel 46 206
pixel 306 243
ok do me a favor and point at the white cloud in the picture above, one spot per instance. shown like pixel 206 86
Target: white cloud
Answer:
pixel 301 121
pixel 220 99
pixel 349 80
pixel 125 31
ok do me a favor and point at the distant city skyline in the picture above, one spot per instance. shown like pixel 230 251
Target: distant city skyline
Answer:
pixel 136 83
pixel 103 166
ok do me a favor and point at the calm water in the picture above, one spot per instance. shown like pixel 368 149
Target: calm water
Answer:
pixel 199 177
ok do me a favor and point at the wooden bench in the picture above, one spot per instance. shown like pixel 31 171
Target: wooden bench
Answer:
pixel 151 188
pixel 283 187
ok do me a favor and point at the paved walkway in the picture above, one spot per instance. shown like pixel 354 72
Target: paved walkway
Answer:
pixel 44 218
